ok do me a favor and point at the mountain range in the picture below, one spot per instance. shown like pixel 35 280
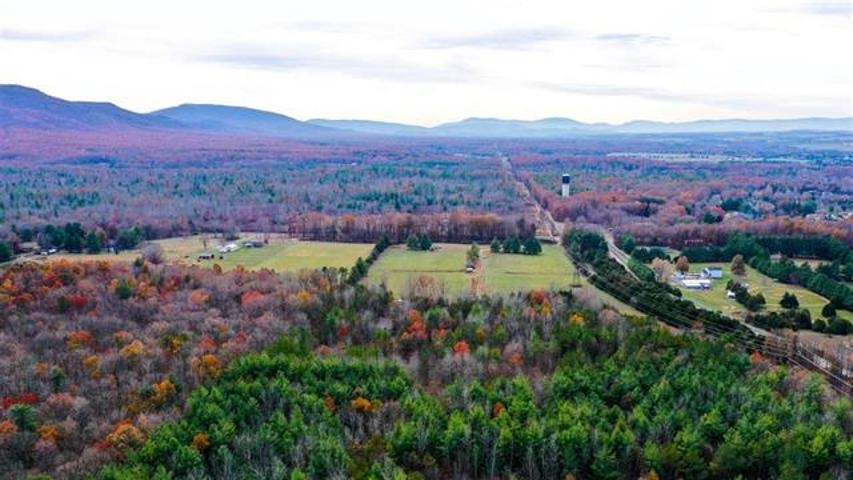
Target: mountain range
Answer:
pixel 27 108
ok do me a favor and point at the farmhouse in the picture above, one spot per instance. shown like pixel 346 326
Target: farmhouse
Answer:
pixel 696 283
pixel 714 273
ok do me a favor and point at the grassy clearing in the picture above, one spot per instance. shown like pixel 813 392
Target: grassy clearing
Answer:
pixel 175 249
pixel 500 273
pixel 715 297
pixel 398 266
pixel 293 256
pixel 280 255
pixel 511 273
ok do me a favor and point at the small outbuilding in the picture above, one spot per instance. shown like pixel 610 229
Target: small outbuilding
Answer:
pixel 714 273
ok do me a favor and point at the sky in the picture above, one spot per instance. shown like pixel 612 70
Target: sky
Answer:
pixel 435 61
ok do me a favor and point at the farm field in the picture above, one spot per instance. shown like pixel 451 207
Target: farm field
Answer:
pixel 294 255
pixel 398 266
pixel 715 297
pixel 501 273
pixel 280 255
pixel 174 249
pixel 511 273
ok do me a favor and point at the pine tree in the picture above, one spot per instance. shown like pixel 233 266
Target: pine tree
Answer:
pixel 532 246
pixel 789 301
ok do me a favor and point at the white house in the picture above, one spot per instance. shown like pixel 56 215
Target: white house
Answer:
pixel 696 283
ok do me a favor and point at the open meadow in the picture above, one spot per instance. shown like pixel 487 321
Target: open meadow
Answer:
pixel 281 255
pixel 295 255
pixel 497 273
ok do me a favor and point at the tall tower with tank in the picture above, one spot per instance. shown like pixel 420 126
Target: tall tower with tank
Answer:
pixel 566 185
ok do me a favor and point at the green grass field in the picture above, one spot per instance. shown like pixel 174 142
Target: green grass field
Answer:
pixel 500 273
pixel 280 255
pixel 715 297
pixel 511 273
pixel 398 266
pixel 293 256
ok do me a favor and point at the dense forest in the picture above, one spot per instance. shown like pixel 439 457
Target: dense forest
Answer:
pixel 150 368
pixel 688 201
pixel 662 193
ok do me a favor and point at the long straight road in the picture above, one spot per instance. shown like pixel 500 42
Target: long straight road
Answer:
pixel 544 221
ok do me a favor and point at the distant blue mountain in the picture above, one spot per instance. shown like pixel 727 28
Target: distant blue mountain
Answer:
pixel 566 127
pixel 27 108
pixel 374 127
pixel 242 121
pixel 23 107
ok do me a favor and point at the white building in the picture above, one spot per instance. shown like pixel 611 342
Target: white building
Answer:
pixel 566 185
pixel 696 283
pixel 713 272
pixel 231 247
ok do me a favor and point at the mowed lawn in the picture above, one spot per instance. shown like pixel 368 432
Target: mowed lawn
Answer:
pixel 715 297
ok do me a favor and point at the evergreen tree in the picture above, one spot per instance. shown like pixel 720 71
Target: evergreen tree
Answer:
pixel 512 245
pixel 425 242
pixel 5 252
pixel 413 243
pixel 93 243
pixel 627 244
pixel 495 246
pixel 74 237
pixel 532 246
pixel 789 301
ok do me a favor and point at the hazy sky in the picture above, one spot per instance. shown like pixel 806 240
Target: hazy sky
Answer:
pixel 432 61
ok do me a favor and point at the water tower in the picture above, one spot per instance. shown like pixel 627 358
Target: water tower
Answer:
pixel 567 185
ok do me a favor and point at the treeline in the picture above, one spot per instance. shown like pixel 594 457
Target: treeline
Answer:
pixel 801 319
pixel 826 280
pixel 362 266
pixel 74 238
pixel 528 246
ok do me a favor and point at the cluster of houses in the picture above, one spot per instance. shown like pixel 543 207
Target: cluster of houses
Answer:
pixel 699 281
